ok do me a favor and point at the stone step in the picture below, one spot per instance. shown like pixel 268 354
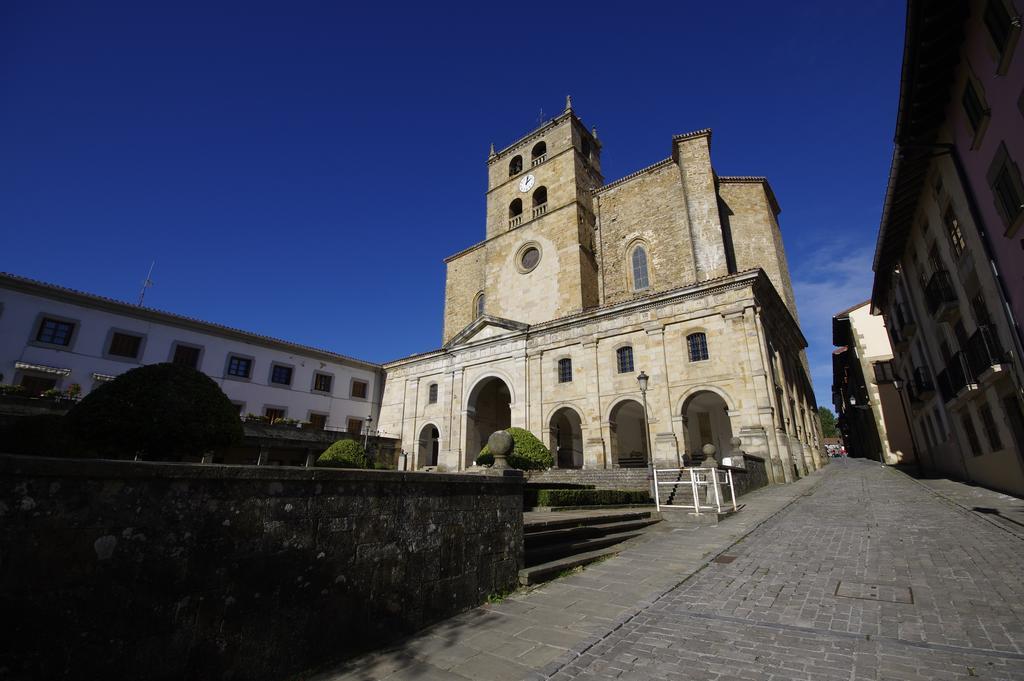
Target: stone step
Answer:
pixel 543 521
pixel 547 571
pixel 537 540
pixel 546 554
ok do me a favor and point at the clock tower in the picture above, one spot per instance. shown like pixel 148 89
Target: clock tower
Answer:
pixel 537 262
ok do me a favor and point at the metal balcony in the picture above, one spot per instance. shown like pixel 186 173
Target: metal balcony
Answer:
pixel 960 375
pixel 941 296
pixel 984 351
pixel 906 324
pixel 921 382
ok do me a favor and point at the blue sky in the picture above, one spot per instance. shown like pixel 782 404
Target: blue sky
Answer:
pixel 301 169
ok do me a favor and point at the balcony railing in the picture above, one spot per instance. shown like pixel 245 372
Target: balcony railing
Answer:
pixel 514 222
pixel 960 376
pixel 905 323
pixel 540 210
pixel 921 381
pixel 941 295
pixel 945 385
pixel 540 159
pixel 984 351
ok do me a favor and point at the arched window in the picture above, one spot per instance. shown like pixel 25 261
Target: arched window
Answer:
pixel 540 196
pixel 585 148
pixel 478 305
pixel 515 166
pixel 638 261
pixel 515 208
pixel 624 359
pixel 432 393
pixel 697 343
pixel 540 201
pixel 565 370
pixel 539 153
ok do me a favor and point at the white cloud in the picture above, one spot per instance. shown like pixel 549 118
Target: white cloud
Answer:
pixel 830 279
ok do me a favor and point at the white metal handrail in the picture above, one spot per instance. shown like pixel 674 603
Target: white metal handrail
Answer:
pixel 695 478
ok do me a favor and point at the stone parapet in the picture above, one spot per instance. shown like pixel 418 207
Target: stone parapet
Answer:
pixel 118 569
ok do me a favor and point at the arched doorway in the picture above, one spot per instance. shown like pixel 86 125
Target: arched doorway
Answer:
pixel 628 435
pixel 429 446
pixel 566 443
pixel 706 419
pixel 488 409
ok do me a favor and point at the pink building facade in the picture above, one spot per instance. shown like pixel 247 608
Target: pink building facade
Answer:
pixel 986 124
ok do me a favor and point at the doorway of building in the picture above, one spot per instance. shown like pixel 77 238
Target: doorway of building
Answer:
pixel 706 418
pixel 628 435
pixel 566 444
pixel 488 409
pixel 429 446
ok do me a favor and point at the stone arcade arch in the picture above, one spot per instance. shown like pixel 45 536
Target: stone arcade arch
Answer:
pixel 628 435
pixel 566 438
pixel 487 410
pixel 706 421
pixel 429 446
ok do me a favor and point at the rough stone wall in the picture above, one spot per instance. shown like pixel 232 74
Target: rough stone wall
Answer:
pixel 125 570
pixel 692 153
pixel 648 208
pixel 756 237
pixel 754 476
pixel 613 478
pixel 464 279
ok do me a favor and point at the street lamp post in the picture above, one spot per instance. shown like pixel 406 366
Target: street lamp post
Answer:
pixel 366 432
pixel 642 379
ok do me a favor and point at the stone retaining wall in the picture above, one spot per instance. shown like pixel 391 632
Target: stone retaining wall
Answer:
pixel 600 478
pixel 116 569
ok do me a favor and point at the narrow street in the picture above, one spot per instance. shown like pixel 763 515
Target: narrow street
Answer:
pixel 869 576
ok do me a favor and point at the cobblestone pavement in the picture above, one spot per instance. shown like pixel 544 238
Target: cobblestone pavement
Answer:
pixel 870 576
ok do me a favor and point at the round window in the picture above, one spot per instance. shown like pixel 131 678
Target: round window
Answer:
pixel 529 259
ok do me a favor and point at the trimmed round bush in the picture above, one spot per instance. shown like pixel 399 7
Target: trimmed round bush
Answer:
pixel 344 454
pixel 158 412
pixel 528 452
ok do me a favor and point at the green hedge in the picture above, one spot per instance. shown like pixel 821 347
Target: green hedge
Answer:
pixel 344 454
pixel 590 497
pixel 528 453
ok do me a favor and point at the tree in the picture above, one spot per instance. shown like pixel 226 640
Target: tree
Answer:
pixel 344 454
pixel 528 453
pixel 828 422
pixel 160 411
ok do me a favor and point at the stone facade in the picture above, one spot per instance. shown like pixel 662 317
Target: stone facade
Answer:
pixel 672 270
pixel 132 570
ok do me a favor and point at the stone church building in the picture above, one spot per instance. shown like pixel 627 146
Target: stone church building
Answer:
pixel 579 285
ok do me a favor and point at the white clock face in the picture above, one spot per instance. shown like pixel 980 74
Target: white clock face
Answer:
pixel 526 184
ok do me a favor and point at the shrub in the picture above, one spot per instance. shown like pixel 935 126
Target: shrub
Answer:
pixel 528 453
pixel 590 497
pixel 40 435
pixel 344 454
pixel 160 411
pixel 10 389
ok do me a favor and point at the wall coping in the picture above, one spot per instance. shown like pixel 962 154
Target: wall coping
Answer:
pixel 11 465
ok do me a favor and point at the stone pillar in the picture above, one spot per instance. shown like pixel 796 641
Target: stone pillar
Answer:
pixel 595 441
pixel 410 438
pixel 454 423
pixel 692 153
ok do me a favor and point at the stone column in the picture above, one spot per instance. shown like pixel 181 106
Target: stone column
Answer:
pixel 594 443
pixel 664 447
pixel 410 438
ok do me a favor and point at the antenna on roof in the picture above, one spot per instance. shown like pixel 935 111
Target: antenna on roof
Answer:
pixel 146 284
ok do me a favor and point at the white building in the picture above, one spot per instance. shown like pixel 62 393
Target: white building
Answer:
pixel 53 337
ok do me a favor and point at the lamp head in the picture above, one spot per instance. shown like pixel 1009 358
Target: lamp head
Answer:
pixel 642 380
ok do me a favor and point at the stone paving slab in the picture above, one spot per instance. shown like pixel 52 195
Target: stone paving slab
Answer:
pixel 774 612
pixel 542 629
